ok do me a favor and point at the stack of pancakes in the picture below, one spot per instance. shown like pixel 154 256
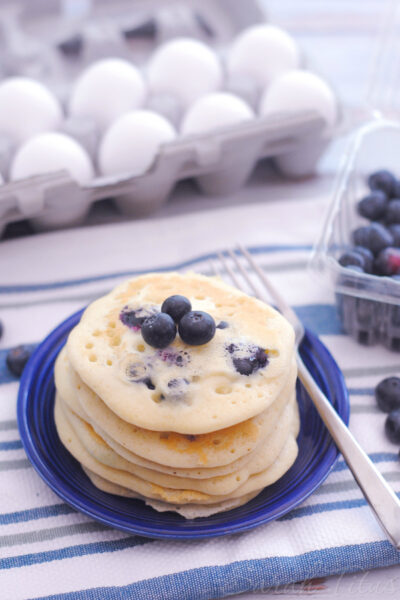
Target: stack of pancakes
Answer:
pixel 181 428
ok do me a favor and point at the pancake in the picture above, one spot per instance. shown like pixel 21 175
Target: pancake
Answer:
pixel 156 492
pixel 173 450
pixel 108 354
pixel 260 460
pixel 189 511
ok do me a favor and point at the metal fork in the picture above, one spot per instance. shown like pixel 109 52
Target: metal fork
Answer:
pixel 379 495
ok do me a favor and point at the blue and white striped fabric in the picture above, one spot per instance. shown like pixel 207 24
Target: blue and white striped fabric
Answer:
pixel 48 550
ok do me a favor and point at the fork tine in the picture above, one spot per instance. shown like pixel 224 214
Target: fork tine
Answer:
pixel 244 273
pixel 284 308
pixel 230 271
pixel 213 268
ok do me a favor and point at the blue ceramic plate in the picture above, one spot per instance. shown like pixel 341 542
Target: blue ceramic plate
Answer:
pixel 317 453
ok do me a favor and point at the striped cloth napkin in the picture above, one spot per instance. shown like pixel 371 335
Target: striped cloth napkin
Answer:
pixel 48 550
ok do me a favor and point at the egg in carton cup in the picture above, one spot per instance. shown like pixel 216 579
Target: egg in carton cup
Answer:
pixel 130 125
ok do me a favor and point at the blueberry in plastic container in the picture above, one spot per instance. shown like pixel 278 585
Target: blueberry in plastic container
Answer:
pixel 368 257
pixel 352 258
pixel 360 317
pixel 396 189
pixel 395 231
pixel 359 257
pixel 373 206
pixel 346 303
pixel 375 237
pixel 391 327
pixel 383 180
pixel 368 320
pixel 392 213
pixel 388 262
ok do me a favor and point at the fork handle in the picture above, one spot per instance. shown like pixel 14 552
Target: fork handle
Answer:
pixel 377 492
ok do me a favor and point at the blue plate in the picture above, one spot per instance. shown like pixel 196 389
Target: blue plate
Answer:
pixel 317 453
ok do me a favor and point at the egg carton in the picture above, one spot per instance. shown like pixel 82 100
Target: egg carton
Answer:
pixel 220 162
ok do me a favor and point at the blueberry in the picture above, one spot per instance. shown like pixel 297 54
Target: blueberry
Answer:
pixel 180 359
pixel 396 189
pixel 136 371
pixel 373 206
pixel 392 214
pixel 245 366
pixel 159 330
pixel 196 328
pixel 361 236
pixel 148 383
pixel 375 237
pixel 176 383
pixel 250 364
pixel 352 258
pixel 177 388
pixel 392 426
pixel 246 358
pixel 388 262
pixel 387 394
pixel 368 257
pixel 176 306
pixel 222 325
pixel 134 319
pixel 383 180
pixel 395 231
pixel 17 359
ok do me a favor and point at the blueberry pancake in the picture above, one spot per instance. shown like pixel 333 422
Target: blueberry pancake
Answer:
pixel 184 387
pixel 220 450
pixel 254 483
pixel 189 511
pixel 181 391
pixel 260 460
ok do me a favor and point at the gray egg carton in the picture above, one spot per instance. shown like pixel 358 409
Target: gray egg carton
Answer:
pixel 220 162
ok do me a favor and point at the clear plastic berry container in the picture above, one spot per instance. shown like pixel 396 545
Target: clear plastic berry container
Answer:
pixel 368 305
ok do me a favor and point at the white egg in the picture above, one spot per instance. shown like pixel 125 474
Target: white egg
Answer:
pixel 131 144
pixel 262 52
pixel 27 108
pixel 50 152
pixel 185 68
pixel 214 111
pixel 106 90
pixel 299 91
